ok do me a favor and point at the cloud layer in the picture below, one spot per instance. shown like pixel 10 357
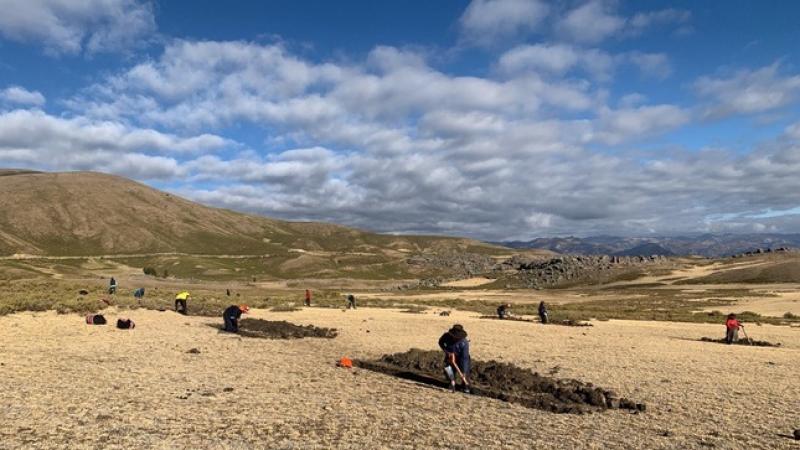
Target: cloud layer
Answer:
pixel 544 141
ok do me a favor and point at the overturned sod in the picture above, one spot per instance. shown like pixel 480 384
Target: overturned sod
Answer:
pixel 510 318
pixel 748 342
pixel 505 382
pixel 282 329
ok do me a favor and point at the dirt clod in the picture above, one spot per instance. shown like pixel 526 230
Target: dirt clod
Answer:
pixel 193 351
pixel 268 329
pixel 797 434
pixel 505 382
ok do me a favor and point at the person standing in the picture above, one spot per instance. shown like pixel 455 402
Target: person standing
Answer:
pixel 231 317
pixel 351 301
pixel 457 361
pixel 180 302
pixel 308 297
pixel 543 315
pixel 732 326
pixel 112 286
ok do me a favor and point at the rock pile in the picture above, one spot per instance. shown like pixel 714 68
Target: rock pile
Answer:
pixel 562 269
pixel 760 251
pixel 462 265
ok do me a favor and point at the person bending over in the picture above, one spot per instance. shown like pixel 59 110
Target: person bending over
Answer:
pixel 232 315
pixel 457 362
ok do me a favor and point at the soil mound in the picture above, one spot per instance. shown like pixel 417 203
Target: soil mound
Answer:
pixel 748 342
pixel 268 329
pixel 505 382
pixel 569 323
pixel 565 322
pixel 512 318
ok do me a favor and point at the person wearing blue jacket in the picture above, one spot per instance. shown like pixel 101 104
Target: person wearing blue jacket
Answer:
pixel 457 362
pixel 231 317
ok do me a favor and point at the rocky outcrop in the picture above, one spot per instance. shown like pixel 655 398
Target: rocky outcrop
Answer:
pixel 569 269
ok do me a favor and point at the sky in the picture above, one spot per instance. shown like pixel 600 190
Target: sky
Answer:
pixel 492 119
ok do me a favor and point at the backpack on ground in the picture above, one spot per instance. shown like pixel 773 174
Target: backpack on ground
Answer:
pixel 95 319
pixel 125 324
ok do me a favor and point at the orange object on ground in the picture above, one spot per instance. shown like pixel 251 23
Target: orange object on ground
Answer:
pixel 345 362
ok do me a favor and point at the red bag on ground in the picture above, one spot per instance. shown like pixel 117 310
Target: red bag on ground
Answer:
pixel 345 362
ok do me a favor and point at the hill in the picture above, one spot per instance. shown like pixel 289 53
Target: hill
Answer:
pixel 87 214
pixel 647 249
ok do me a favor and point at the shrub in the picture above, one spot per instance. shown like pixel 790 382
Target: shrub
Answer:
pixel 150 271
pixel 790 316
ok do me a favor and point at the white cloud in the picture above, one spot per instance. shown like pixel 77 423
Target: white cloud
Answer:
pixel 748 91
pixel 653 64
pixel 616 126
pixel 74 26
pixel 34 138
pixel 591 22
pixel 644 20
pixel 793 131
pixel 391 143
pixel 556 59
pixel 484 21
pixel 21 96
pixel 597 20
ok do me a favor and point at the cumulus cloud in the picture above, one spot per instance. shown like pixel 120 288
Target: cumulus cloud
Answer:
pixel 21 96
pixel 653 64
pixel 748 91
pixel 597 20
pixel 33 138
pixel 485 21
pixel 391 143
pixel 555 59
pixel 648 19
pixel 616 126
pixel 591 22
pixel 73 26
pixel 559 59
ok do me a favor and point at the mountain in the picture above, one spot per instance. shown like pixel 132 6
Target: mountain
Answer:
pixel 647 249
pixel 87 213
pixel 710 245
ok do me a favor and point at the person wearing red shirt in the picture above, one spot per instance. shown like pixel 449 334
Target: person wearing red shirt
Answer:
pixel 732 326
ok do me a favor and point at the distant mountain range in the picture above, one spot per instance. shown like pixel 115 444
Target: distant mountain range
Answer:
pixel 711 245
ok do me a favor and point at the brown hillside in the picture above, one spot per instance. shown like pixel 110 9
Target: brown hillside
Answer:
pixel 86 213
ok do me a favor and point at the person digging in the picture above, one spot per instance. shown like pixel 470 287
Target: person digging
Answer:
pixel 180 302
pixel 732 327
pixel 351 301
pixel 232 315
pixel 457 362
pixel 504 311
pixel 543 315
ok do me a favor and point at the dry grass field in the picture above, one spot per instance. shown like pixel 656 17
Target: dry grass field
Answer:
pixel 69 385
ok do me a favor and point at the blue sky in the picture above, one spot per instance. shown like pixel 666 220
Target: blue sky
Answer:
pixel 494 119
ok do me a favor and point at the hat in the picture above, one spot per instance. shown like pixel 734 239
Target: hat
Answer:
pixel 244 308
pixel 458 332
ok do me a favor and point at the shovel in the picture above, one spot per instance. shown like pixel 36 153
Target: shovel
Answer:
pixel 746 336
pixel 458 369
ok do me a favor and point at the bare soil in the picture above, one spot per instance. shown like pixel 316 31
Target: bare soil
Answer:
pixel 506 382
pixel 747 342
pixel 269 329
